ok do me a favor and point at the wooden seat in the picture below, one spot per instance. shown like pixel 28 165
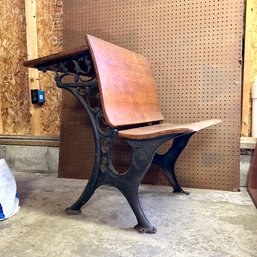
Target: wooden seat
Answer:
pixel 163 129
pixel 128 108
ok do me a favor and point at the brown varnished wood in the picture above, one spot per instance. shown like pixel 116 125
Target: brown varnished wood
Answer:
pixel 252 178
pixel 163 129
pixel 253 194
pixel 252 175
pixel 126 83
pixel 127 89
pixel 54 58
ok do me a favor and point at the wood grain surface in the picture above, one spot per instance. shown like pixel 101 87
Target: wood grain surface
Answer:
pixel 165 129
pixel 126 83
pixel 252 178
pixel 54 58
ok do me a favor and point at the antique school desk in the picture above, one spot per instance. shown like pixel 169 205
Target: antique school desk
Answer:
pixel 125 105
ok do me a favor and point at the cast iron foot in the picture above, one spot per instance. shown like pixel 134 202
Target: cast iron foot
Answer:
pixel 181 191
pixel 70 211
pixel 142 230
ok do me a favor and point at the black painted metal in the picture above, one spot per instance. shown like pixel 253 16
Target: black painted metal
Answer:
pixel 82 84
pixel 167 161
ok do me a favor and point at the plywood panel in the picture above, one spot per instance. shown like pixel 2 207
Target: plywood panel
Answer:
pixel 76 145
pixel 250 65
pixel 32 53
pixel 15 101
pixel 195 49
pixel 16 115
pixel 49 31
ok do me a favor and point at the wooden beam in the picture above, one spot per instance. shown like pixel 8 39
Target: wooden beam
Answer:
pixel 1 118
pixel 247 78
pixel 32 53
pixel 30 140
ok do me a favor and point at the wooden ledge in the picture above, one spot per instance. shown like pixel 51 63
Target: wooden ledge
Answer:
pixel 54 58
pixel 248 143
pixel 30 140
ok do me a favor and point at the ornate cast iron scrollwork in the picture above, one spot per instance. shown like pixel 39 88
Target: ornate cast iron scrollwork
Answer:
pixel 78 69
pixel 76 74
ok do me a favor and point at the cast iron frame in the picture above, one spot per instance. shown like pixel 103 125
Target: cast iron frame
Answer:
pixel 83 85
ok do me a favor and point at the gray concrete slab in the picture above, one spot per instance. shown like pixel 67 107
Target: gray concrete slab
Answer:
pixel 245 163
pixel 28 158
pixel 2 152
pixel 53 159
pixel 205 223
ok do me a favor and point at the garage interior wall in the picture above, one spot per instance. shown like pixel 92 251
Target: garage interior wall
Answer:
pixel 16 115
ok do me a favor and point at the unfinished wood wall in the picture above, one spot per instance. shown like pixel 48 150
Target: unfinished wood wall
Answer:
pixel 15 116
pixel 49 30
pixel 15 107
pixel 250 64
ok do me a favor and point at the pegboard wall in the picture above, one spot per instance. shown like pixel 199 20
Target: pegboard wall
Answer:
pixel 195 48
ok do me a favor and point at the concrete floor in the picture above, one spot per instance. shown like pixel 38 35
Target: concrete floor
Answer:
pixel 205 223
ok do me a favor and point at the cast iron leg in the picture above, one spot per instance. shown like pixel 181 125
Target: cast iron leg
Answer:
pixel 75 209
pixel 168 160
pixel 143 226
pixel 90 188
pixel 129 183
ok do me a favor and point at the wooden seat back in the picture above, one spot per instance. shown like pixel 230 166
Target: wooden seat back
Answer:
pixel 126 83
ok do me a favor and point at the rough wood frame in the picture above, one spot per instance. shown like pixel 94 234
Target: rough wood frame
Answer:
pixel 32 53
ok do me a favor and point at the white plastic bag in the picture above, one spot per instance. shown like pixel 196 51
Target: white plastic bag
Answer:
pixel 9 200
